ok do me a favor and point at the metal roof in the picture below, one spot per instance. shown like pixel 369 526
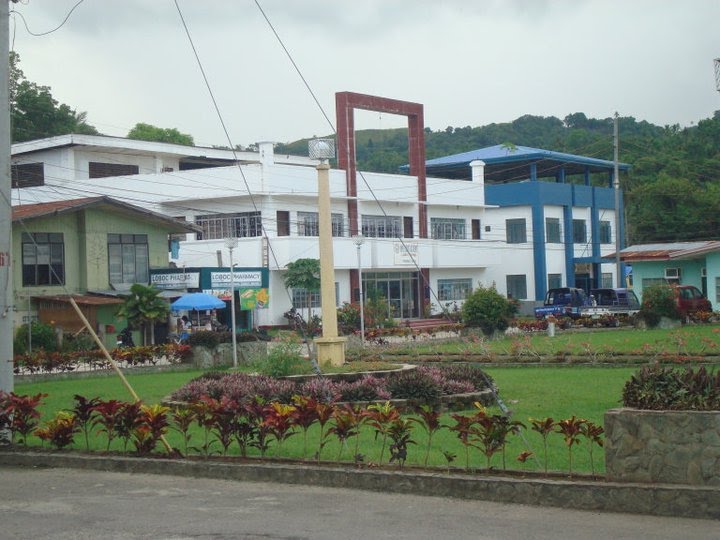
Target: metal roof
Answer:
pixel 667 251
pixel 507 162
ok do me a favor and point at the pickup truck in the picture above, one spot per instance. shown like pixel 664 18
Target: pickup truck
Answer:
pixel 574 303
pixel 562 302
pixel 611 302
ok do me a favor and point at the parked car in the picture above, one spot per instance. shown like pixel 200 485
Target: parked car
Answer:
pixel 616 298
pixel 562 302
pixel 690 300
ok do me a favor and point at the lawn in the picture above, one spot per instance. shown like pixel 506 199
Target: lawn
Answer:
pixel 530 392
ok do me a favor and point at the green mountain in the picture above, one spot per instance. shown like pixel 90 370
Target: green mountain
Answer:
pixel 672 192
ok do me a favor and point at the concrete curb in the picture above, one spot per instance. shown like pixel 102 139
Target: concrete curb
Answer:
pixel 654 499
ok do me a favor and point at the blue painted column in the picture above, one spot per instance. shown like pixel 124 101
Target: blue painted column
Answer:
pixel 560 176
pixel 569 246
pixel 533 172
pixel 539 253
pixel 595 238
pixel 587 175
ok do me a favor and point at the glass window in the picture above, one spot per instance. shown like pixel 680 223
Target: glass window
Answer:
pixel 552 231
pixel 516 231
pixel 27 175
pixel 309 224
pixel 302 300
pixel 128 258
pixel 240 225
pixel 43 259
pixel 579 231
pixel 606 280
pixel 605 232
pixel 454 289
pixel 554 281
pixel 104 170
pixel 447 228
pixel 517 287
pixel 381 226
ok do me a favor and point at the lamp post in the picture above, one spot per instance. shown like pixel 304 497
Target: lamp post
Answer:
pixel 359 240
pixel 330 347
pixel 231 243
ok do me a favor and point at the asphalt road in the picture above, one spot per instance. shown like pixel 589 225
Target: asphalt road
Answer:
pixel 73 504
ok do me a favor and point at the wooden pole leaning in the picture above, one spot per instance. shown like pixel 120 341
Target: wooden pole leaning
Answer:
pixel 113 363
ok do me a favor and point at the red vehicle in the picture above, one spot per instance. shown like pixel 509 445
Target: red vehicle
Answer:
pixel 690 300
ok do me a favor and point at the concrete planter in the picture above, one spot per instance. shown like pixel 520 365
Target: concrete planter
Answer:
pixel 221 356
pixel 675 447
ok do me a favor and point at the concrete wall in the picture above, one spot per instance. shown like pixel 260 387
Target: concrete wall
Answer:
pixel 673 447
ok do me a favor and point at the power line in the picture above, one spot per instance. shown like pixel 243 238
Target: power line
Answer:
pixel 58 27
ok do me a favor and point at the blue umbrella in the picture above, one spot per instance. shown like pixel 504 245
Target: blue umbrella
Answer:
pixel 197 301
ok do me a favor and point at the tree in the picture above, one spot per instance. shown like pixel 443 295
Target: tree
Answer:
pixel 143 308
pixel 304 274
pixel 147 132
pixel 488 309
pixel 35 114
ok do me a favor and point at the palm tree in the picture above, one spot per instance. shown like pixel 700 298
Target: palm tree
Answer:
pixel 143 308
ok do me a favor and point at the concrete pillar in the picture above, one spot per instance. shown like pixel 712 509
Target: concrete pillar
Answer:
pixel 330 347
pixel 478 176
pixel 267 152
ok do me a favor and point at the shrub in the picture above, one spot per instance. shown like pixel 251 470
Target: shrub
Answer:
pixel 658 301
pixel 282 360
pixel 204 338
pixel 466 372
pixel 657 388
pixel 488 309
pixel 348 318
pixel 368 388
pixel 43 337
pixel 415 384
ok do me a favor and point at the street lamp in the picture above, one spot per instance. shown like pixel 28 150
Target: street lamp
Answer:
pixel 232 243
pixel 359 240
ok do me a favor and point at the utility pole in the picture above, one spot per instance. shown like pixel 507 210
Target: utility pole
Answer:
pixel 6 286
pixel 616 185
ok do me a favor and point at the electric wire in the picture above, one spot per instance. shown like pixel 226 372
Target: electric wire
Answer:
pixel 49 31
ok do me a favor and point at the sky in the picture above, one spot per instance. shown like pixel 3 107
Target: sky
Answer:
pixel 469 62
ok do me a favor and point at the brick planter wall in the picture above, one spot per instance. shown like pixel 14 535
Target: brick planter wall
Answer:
pixel 675 447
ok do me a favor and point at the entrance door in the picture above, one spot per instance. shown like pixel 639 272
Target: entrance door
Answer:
pixel 583 281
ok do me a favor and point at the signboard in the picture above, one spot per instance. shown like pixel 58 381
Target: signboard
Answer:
pixel 222 294
pixel 404 253
pixel 242 279
pixel 175 280
pixel 254 298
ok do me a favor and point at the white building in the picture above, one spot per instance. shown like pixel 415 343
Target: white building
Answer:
pixel 427 241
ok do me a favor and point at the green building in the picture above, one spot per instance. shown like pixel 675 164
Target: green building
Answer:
pixel 91 249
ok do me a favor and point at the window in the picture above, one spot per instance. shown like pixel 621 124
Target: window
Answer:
pixel 381 226
pixel 283 223
pixel 517 287
pixel 475 226
pixel 605 232
pixel 128 258
pixel 43 259
pixel 241 225
pixel 648 282
pixel 309 224
pixel 103 170
pixel 447 229
pixel 552 231
pixel 301 299
pixel 606 280
pixel 408 226
pixel 27 175
pixel 516 231
pixel 554 281
pixel 579 231
pixel 717 289
pixel 454 289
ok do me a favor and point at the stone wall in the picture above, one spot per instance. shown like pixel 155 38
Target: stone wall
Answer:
pixel 675 447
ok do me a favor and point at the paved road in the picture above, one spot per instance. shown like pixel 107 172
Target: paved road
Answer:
pixel 73 504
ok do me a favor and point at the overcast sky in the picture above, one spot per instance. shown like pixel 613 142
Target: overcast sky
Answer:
pixel 469 62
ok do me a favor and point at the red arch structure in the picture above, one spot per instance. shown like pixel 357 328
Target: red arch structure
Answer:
pixel 345 105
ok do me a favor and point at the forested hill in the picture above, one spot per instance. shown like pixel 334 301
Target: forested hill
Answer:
pixel 672 192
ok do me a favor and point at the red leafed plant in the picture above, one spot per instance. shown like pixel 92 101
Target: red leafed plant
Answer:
pixel 571 430
pixel 23 413
pixel 60 430
pixel 107 417
pixel 84 410
pixel 544 427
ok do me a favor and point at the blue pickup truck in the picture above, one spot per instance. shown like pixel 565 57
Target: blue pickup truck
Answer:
pixel 574 303
pixel 563 302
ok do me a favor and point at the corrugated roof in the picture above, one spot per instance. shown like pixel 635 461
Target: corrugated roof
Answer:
pixel 37 210
pixel 506 162
pixel 81 299
pixel 667 251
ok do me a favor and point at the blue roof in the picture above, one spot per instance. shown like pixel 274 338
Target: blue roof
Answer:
pixel 504 162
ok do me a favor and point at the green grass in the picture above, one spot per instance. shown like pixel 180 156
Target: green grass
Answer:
pixel 537 392
pixel 686 340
